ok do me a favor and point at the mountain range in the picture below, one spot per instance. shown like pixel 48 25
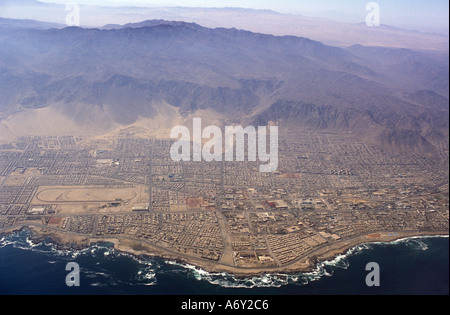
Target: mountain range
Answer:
pixel 154 74
pixel 335 30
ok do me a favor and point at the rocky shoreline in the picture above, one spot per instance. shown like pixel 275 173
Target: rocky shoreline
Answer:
pixel 64 241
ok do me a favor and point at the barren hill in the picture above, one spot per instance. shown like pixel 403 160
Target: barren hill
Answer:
pixel 94 81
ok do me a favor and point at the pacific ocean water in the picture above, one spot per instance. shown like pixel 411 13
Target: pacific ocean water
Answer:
pixel 411 266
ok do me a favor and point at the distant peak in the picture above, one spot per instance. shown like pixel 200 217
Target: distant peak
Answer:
pixel 153 23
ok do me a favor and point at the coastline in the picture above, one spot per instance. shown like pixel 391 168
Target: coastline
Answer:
pixel 138 249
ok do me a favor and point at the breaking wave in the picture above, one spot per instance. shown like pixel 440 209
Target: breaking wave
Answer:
pixel 147 269
pixel 274 280
pixel 97 275
pixel 227 280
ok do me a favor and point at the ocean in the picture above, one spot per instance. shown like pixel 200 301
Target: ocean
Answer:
pixel 411 266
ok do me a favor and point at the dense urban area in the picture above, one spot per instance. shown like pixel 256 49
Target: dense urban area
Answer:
pixel 328 189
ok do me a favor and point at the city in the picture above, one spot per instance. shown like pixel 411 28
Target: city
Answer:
pixel 330 192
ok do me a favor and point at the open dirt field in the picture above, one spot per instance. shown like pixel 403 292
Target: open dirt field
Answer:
pixel 90 199
pixel 80 194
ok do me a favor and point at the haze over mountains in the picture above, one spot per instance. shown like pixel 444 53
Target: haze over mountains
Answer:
pixel 328 31
pixel 156 74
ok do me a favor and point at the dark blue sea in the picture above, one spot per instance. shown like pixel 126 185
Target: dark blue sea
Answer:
pixel 410 266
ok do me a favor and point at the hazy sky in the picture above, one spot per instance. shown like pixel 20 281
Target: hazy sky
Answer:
pixel 425 15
